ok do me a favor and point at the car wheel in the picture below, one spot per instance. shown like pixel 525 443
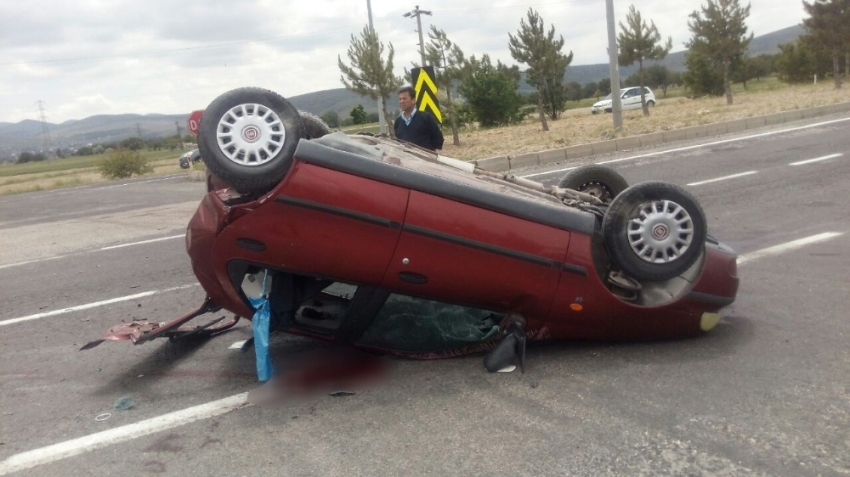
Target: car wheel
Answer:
pixel 654 231
pixel 601 182
pixel 248 137
pixel 314 126
pixel 650 103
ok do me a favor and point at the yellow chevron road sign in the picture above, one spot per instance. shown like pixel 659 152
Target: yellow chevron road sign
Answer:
pixel 426 91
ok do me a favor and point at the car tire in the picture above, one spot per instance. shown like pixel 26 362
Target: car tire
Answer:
pixel 650 103
pixel 248 137
pixel 654 231
pixel 601 182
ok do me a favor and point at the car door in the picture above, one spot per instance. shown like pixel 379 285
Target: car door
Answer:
pixel 324 223
pixel 460 253
pixel 631 99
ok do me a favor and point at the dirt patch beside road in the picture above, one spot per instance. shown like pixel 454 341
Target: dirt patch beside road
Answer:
pixel 578 126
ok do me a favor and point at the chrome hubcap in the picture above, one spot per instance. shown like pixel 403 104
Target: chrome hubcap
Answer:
pixel 662 231
pixel 250 134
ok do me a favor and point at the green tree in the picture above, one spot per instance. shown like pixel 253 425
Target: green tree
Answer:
pixel 123 163
pixel 133 143
pixel 763 66
pixel 720 35
pixel 331 118
pixel 744 70
pixel 541 52
pixel 573 91
pixel 702 78
pixel 358 115
pixel 589 90
pixel 659 76
pixel 639 42
pixel 798 62
pixel 369 75
pixel 829 25
pixel 604 87
pixel 448 60
pixel 491 92
pixel 25 157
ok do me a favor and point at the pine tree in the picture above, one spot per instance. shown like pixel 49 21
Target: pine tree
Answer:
pixel 546 64
pixel 638 42
pixel 448 59
pixel 369 75
pixel 720 36
pixel 828 25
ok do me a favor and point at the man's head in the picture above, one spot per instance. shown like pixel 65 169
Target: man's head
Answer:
pixel 407 99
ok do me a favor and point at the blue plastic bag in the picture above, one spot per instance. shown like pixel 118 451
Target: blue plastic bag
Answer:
pixel 261 324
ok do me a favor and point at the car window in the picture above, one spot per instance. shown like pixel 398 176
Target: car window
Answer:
pixel 411 324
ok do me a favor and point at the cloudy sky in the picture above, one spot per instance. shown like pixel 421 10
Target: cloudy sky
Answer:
pixel 87 57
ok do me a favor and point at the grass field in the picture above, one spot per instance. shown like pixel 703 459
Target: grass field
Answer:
pixel 576 126
pixel 73 171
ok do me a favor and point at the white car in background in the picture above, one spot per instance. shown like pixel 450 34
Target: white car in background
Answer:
pixel 629 97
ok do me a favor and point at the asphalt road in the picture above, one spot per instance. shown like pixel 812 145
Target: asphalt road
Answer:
pixel 765 393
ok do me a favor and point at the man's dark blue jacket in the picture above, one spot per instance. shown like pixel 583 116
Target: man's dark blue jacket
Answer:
pixel 424 131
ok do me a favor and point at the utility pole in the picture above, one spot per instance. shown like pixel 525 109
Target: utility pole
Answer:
pixel 381 118
pixel 613 69
pixel 45 131
pixel 179 134
pixel 418 14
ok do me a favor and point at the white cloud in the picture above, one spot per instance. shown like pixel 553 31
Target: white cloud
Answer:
pixel 93 57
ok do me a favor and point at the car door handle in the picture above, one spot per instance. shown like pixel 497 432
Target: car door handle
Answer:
pixel 414 278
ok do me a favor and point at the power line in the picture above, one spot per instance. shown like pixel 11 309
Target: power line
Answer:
pixel 45 131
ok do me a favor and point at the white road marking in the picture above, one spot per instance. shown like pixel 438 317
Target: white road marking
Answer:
pixel 817 159
pixel 714 143
pixel 733 176
pixel 93 305
pixel 787 247
pixel 549 172
pixel 63 450
pixel 113 247
pixel 94 187
pixel 238 345
pixel 18 264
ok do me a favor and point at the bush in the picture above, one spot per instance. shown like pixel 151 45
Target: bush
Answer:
pixel 25 157
pixel 123 163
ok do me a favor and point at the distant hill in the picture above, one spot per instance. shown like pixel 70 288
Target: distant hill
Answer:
pixel 106 128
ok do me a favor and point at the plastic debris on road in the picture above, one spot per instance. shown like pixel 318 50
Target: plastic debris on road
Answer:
pixel 124 403
pixel 260 325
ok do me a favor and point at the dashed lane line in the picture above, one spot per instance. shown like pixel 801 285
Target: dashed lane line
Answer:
pixel 697 146
pixel 96 304
pixel 733 176
pixel 817 159
pixel 787 247
pixel 111 247
pixel 63 450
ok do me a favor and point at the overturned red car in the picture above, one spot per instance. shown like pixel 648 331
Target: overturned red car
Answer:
pixel 379 244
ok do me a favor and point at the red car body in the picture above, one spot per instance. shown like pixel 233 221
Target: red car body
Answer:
pixel 400 222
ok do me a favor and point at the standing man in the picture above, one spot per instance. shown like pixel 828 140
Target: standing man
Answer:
pixel 418 127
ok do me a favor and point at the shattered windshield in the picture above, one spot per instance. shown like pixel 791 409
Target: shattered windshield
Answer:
pixel 414 325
